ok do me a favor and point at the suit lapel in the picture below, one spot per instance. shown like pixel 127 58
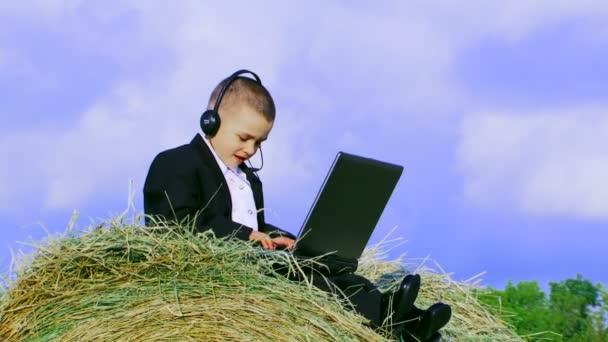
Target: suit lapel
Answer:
pixel 256 185
pixel 256 188
pixel 199 145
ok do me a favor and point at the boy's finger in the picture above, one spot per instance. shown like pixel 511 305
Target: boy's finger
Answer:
pixel 268 244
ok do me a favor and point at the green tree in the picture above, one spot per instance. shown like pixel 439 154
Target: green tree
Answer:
pixel 523 305
pixel 599 318
pixel 571 303
pixel 575 310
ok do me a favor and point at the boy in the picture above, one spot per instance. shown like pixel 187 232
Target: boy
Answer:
pixel 207 180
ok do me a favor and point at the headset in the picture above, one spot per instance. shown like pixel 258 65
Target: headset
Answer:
pixel 210 119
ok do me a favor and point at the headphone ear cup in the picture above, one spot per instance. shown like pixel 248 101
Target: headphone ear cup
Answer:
pixel 210 122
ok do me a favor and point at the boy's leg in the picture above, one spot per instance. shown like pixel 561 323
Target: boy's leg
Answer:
pixel 363 295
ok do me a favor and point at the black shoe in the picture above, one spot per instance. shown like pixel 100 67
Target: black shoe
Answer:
pixel 435 338
pixel 404 298
pixel 404 330
pixel 433 319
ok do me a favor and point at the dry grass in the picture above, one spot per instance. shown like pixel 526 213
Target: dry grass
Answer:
pixel 133 283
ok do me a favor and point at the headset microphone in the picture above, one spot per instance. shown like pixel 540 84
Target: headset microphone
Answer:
pixel 261 166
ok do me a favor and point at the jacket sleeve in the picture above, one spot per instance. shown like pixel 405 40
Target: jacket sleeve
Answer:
pixel 275 231
pixel 172 193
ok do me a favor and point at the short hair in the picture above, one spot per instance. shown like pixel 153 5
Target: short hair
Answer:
pixel 247 91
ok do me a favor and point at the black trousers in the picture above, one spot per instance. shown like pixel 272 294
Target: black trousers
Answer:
pixel 364 296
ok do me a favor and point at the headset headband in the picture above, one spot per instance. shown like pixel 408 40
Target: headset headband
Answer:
pixel 231 79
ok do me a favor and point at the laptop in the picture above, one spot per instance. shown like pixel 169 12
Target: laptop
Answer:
pixel 347 207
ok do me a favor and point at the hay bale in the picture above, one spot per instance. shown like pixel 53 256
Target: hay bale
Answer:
pixel 132 283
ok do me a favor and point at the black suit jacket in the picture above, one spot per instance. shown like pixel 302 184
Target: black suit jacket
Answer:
pixel 187 183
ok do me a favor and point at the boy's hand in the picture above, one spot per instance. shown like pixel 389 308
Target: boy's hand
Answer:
pixel 283 242
pixel 262 238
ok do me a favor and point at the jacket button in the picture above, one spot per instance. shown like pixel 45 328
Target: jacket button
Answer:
pixel 250 212
pixel 241 186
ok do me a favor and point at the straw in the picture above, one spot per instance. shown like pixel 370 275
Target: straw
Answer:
pixel 125 282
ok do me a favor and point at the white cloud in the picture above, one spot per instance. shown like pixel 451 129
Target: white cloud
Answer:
pixel 117 136
pixel 545 163
pixel 406 49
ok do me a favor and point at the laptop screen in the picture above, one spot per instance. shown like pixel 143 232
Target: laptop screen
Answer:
pixel 347 207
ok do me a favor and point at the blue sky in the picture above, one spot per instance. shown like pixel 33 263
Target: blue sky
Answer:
pixel 498 112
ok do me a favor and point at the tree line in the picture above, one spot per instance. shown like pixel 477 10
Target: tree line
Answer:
pixel 574 310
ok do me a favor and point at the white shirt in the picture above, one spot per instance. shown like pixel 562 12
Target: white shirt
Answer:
pixel 243 203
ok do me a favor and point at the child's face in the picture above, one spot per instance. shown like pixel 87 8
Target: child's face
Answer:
pixel 241 132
